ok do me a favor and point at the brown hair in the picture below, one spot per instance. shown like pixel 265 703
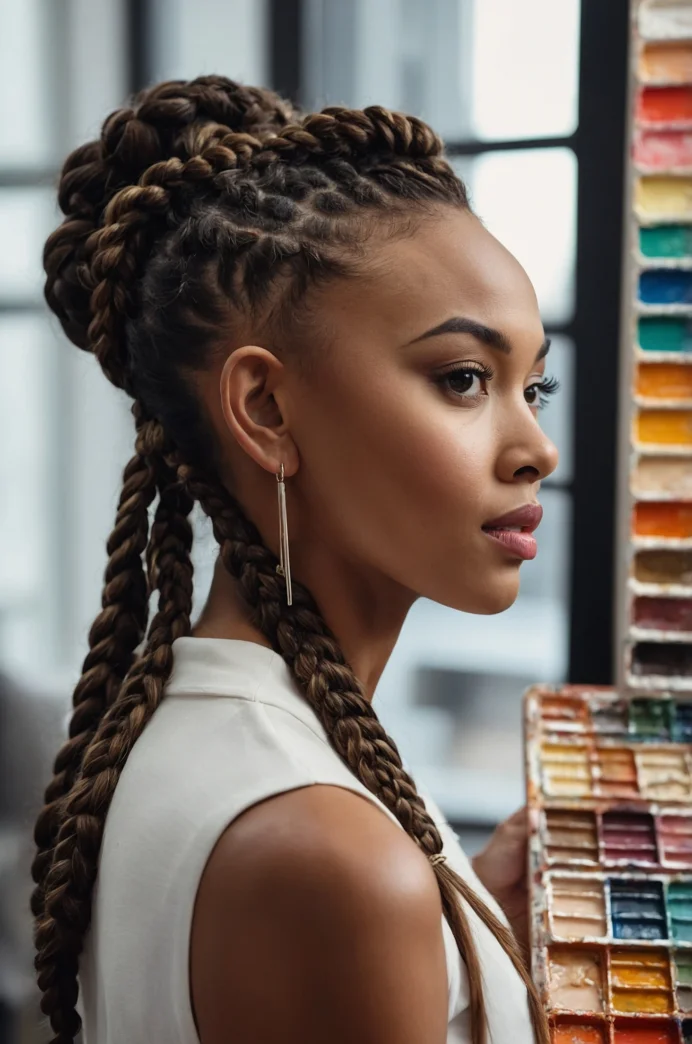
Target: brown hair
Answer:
pixel 202 202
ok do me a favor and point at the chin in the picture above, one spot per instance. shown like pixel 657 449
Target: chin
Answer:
pixel 495 597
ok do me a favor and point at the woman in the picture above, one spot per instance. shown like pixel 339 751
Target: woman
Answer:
pixel 231 849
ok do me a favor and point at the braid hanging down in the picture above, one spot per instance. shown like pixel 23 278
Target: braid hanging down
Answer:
pixel 217 201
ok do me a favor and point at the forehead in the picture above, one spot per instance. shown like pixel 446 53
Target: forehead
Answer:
pixel 449 264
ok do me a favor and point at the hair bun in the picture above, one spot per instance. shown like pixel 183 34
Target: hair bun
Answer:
pixel 162 122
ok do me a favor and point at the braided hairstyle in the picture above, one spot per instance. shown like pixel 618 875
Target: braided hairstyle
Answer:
pixel 204 203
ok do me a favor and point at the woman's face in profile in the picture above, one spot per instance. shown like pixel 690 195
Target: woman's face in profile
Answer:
pixel 417 423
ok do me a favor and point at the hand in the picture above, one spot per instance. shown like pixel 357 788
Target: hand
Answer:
pixel 502 868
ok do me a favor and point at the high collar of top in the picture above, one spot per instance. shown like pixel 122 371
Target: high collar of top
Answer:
pixel 234 667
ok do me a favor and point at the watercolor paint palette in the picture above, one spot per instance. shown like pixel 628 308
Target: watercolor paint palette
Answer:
pixel 657 346
pixel 609 781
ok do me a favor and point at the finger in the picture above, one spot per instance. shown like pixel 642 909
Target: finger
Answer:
pixel 517 818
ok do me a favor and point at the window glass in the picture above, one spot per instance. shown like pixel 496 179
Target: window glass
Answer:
pixel 474 69
pixel 27 520
pixel 24 93
pixel 528 199
pixel 27 215
pixel 534 47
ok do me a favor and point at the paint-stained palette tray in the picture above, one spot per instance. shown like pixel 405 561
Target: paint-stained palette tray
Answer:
pixel 610 807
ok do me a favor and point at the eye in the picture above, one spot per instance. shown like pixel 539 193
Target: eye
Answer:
pixel 538 394
pixel 467 382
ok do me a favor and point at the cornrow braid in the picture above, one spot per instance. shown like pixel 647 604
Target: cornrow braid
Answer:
pixel 220 205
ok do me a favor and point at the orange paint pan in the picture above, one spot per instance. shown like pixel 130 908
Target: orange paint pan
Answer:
pixel 662 520
pixel 664 381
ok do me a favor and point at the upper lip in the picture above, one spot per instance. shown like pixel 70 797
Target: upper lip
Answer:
pixel 528 517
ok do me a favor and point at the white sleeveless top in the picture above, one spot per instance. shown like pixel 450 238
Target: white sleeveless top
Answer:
pixel 233 729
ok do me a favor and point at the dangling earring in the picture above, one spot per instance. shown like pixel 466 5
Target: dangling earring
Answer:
pixel 284 569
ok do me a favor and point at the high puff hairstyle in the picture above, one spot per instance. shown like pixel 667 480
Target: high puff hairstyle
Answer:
pixel 203 203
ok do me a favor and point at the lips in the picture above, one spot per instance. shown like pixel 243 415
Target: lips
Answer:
pixel 514 530
pixel 526 518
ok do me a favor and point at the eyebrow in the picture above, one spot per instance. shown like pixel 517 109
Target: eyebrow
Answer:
pixel 486 334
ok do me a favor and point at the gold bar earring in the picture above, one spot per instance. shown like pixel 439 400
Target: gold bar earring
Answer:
pixel 284 569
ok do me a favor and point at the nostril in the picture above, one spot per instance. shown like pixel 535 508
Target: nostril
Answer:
pixel 529 470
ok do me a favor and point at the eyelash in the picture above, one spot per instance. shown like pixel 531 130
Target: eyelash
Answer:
pixel 546 387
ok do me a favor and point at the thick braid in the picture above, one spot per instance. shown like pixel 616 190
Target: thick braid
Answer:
pixel 395 151
pixel 61 927
pixel 163 121
pixel 312 652
pixel 114 635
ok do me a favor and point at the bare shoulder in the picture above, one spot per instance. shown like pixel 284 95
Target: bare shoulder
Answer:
pixel 317 919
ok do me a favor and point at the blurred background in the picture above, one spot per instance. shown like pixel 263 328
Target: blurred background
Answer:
pixel 530 98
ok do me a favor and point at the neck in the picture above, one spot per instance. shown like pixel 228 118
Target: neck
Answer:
pixel 366 637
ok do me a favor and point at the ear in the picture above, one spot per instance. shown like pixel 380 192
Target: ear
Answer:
pixel 252 389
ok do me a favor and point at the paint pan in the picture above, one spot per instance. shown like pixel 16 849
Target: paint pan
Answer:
pixel 663 381
pixel 615 773
pixel 640 982
pixel 665 20
pixel 662 150
pixel 575 979
pixel 663 567
pixel 665 286
pixel 671 105
pixel 664 427
pixel 563 714
pixel 672 660
pixel 565 770
pixel 636 1030
pixel 609 717
pixel 669 241
pixel 663 775
pixel 577 908
pixel 649 719
pixel 577 1031
pixel 570 837
pixel 679 900
pixel 682 722
pixel 670 520
pixel 675 840
pixel 669 62
pixel 662 614
pixel 664 334
pixel 682 967
pixel 628 838
pixel 662 475
pixel 662 196
pixel 637 909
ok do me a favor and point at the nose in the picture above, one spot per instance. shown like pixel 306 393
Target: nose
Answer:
pixel 528 455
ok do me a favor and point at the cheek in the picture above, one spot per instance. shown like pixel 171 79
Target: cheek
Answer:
pixel 394 471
